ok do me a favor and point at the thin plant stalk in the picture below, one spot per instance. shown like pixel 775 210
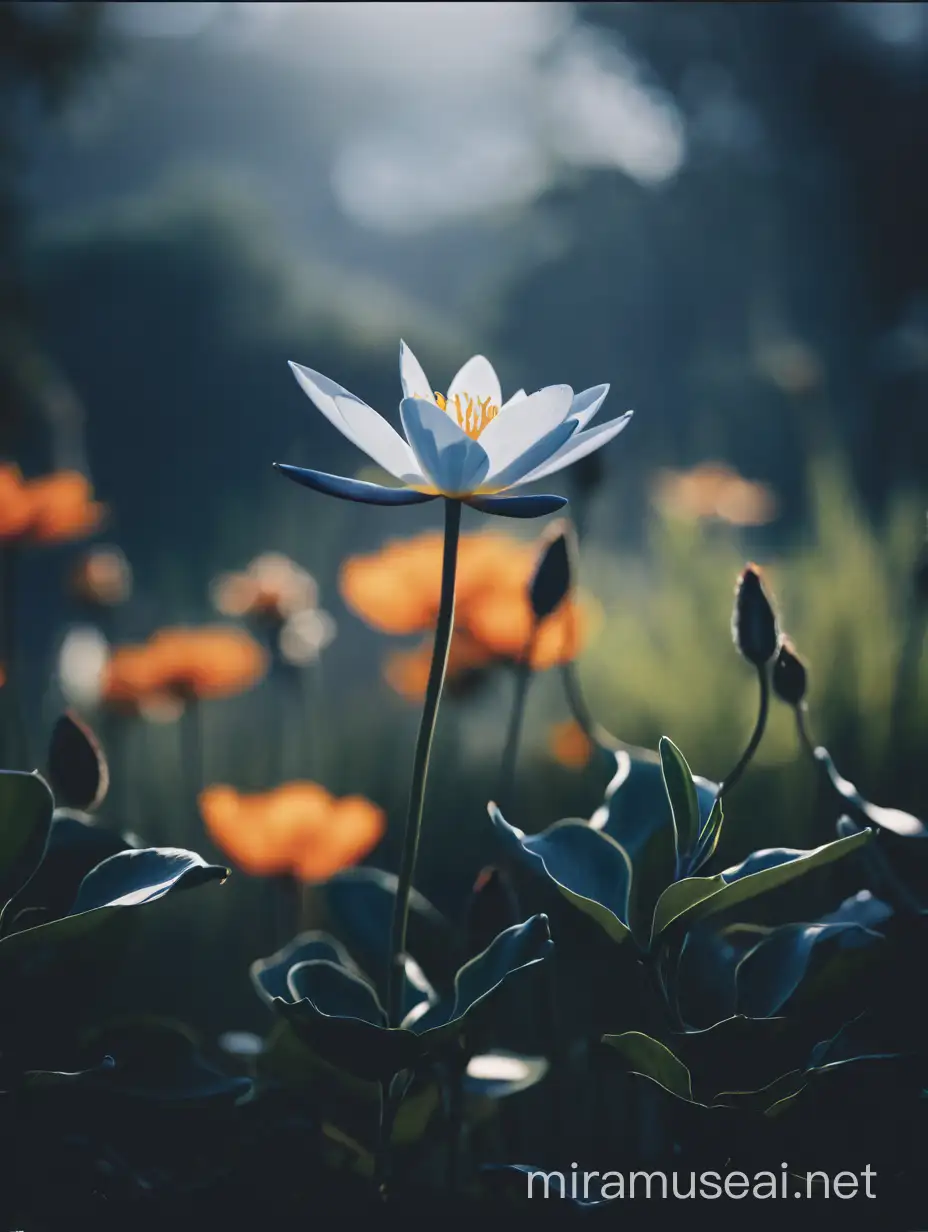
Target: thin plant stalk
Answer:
pixel 443 628
pixel 523 673
pixel 591 728
pixel 16 751
pixel 763 709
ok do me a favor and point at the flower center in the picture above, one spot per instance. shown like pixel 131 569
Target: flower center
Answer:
pixel 472 415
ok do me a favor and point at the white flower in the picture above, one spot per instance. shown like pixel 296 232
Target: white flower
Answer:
pixel 468 444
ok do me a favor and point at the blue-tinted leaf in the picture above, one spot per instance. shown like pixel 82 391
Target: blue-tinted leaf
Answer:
pixel 513 951
pixel 705 979
pixel 269 975
pixel 127 879
pixel 26 807
pixel 769 974
pixel 335 992
pixel 891 819
pixel 697 897
pixel 652 1059
pixel 590 869
pixel 358 908
pixel 681 795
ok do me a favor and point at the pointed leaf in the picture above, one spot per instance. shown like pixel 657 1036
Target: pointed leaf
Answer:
pixel 681 794
pixel 127 879
pixel 697 897
pixel 770 973
pixel 513 951
pixel 652 1059
pixel 590 869
pixel 891 819
pixel 26 807
pixel 77 769
pixel 709 838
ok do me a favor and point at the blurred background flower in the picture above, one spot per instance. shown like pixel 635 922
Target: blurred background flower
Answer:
pixel 297 829
pixel 55 508
pixel 102 577
pixel 714 490
pixel 569 745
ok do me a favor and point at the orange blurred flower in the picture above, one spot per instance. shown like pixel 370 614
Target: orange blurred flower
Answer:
pixel 714 490
pixel 297 828
pixel 407 671
pixel 272 586
pixel 181 663
pixel 102 577
pixel 397 589
pixel 569 745
pixel 56 508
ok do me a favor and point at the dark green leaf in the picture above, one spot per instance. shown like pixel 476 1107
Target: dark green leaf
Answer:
pixel 652 1059
pixel 590 869
pixel 77 768
pixel 709 838
pixel 681 794
pixel 636 813
pixel 26 807
pixel 697 897
pixel 159 1061
pixel 75 846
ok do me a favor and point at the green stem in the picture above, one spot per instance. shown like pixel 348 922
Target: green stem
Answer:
pixel 443 627
pixel 507 771
pixel 593 730
pixel 756 736
pixel 15 752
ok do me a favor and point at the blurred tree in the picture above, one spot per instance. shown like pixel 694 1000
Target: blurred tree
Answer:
pixel 44 51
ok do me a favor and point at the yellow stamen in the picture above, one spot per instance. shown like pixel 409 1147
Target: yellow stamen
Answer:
pixel 440 399
pixel 471 417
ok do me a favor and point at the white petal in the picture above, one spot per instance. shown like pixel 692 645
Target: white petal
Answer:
pixel 360 423
pixel 517 428
pixel 455 464
pixel 534 457
pixel 516 397
pixel 578 447
pixel 412 376
pixel 478 380
pixel 587 403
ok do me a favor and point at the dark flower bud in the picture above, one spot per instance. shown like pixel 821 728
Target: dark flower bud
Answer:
pixel 554 573
pixel 492 909
pixel 754 623
pixel 920 576
pixel 789 674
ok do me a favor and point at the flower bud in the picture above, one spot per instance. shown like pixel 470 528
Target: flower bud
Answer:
pixel 754 623
pixel 789 674
pixel 553 577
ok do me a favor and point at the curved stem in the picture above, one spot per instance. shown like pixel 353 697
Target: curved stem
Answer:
pixel 443 627
pixel 756 736
pixel 507 769
pixel 593 730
